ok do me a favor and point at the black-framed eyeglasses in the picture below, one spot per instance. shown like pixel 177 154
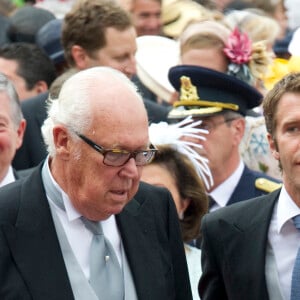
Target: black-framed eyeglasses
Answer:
pixel 118 157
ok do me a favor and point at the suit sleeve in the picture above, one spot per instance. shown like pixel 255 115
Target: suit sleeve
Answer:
pixel 211 284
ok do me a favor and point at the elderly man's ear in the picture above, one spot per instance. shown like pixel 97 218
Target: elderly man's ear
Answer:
pixel 62 141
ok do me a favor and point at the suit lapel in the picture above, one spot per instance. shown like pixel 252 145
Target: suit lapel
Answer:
pixel 34 245
pixel 138 228
pixel 245 246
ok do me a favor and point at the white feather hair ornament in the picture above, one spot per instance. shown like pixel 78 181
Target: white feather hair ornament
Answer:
pixel 171 134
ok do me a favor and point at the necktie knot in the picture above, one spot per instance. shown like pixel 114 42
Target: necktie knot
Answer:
pixel 296 221
pixel 94 227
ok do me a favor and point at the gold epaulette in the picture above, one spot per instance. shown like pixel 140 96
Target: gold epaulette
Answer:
pixel 267 185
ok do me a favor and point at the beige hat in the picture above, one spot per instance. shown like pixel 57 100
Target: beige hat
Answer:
pixel 211 27
pixel 155 56
pixel 176 15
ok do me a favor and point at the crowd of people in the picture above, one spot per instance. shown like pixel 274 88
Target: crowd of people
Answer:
pixel 149 149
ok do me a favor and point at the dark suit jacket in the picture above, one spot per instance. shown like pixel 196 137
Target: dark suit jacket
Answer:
pixel 22 173
pixel 234 241
pixel 33 149
pixel 31 262
pixel 246 188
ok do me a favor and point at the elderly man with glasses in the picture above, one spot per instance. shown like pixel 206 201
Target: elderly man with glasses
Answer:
pixel 82 225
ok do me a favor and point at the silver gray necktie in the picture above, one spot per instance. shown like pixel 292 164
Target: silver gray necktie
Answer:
pixel 105 271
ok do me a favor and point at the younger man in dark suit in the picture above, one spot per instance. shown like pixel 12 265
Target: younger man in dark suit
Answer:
pixel 255 251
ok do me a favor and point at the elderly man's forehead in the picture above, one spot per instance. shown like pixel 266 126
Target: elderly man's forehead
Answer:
pixel 93 79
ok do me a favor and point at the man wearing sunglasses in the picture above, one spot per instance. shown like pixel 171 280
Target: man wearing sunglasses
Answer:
pixel 97 139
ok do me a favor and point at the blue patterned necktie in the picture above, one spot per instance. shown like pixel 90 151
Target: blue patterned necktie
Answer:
pixel 295 287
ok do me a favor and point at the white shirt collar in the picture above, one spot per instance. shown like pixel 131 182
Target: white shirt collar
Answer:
pixel 223 192
pixel 71 212
pixel 286 209
pixel 9 177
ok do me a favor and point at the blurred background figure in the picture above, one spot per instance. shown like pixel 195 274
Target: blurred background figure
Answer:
pixel 12 127
pixel 49 39
pixel 202 43
pixel 6 8
pixel 115 46
pixel 178 14
pixel 293 13
pixel 28 67
pixel 258 26
pixel 185 174
pixel 26 21
pixel 174 171
pixel 154 57
pixel 221 5
pixel 221 102
pixel 214 45
pixel 58 7
pixel 4 25
pixel 275 9
pixel 146 16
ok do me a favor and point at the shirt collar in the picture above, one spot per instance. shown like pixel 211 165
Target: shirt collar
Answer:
pixel 9 177
pixel 71 212
pixel 223 192
pixel 286 209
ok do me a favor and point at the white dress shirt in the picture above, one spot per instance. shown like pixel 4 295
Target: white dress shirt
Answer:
pixel 79 237
pixel 223 192
pixel 9 177
pixel 193 258
pixel 284 238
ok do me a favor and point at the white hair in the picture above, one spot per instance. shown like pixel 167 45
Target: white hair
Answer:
pixel 7 87
pixel 72 108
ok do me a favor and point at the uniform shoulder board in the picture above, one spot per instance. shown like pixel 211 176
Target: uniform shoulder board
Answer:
pixel 267 185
